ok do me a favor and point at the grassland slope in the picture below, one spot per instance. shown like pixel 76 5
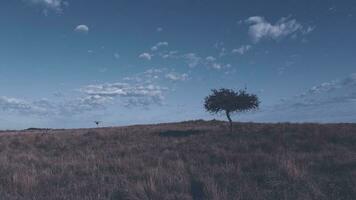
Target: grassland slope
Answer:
pixel 193 160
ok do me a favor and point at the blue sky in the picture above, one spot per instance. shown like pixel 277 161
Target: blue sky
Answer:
pixel 66 63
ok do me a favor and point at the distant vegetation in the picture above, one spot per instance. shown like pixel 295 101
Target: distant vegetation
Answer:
pixel 185 161
pixel 230 101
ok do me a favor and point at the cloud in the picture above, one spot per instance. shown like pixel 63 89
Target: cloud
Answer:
pixel 55 5
pixel 157 75
pixel 24 107
pixel 46 108
pixel 192 59
pixel 260 28
pixel 82 28
pixel 330 92
pixel 177 77
pixel 140 90
pixel 158 45
pixel 220 47
pixel 170 54
pixel 212 62
pixel 131 94
pixel 147 77
pixel 332 101
pixel 146 56
pixel 210 59
pixel 242 50
pixel 159 29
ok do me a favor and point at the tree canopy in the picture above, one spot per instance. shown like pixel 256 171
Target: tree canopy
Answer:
pixel 230 101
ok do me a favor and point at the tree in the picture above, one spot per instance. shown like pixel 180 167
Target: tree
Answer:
pixel 230 101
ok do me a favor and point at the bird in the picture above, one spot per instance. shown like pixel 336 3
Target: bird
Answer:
pixel 97 123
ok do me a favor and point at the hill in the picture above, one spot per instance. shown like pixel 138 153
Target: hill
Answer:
pixel 185 161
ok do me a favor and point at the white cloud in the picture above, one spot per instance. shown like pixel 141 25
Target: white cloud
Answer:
pixel 24 107
pixel 129 93
pixel 242 50
pixel 82 28
pixel 222 52
pixel 171 54
pixel 210 59
pixel 213 63
pixel 332 101
pixel 159 45
pixel 55 5
pixel 146 56
pixel 192 59
pixel 159 29
pixel 139 90
pixel 260 28
pixel 177 77
pixel 308 30
pixel 336 89
pixel 157 75
pixel 217 66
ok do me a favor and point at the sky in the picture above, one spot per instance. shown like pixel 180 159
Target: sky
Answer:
pixel 68 63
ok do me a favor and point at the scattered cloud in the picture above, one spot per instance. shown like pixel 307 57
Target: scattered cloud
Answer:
pixel 242 50
pixel 159 45
pixel 331 101
pixel 219 46
pixel 260 28
pixel 141 90
pixel 337 89
pixel 47 5
pixel 82 28
pixel 152 76
pixel 173 76
pixel 146 56
pixel 24 107
pixel 147 77
pixel 192 59
pixel 170 54
pixel 210 59
pixel 213 63
pixel 131 94
pixel 223 52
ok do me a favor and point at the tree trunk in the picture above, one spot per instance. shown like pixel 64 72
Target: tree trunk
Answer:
pixel 230 121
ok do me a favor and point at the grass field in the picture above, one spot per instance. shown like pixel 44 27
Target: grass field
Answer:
pixel 193 160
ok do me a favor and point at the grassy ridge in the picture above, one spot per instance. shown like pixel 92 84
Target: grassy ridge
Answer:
pixel 191 160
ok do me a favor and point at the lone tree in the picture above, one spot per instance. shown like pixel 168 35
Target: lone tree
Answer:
pixel 229 101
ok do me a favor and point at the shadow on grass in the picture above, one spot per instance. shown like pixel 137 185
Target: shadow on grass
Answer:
pixel 178 133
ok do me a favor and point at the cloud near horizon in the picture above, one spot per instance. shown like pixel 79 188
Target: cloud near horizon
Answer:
pixel 327 102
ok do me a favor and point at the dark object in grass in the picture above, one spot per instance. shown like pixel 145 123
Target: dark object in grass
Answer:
pixel 179 133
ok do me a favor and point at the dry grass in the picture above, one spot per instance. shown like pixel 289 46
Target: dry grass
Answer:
pixel 191 160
